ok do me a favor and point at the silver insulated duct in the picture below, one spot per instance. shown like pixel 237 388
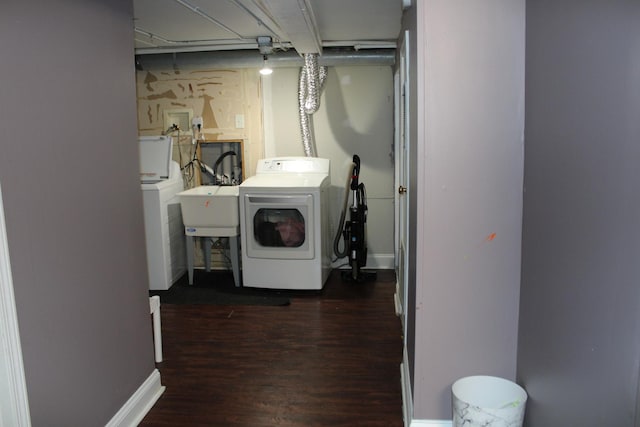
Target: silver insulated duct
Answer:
pixel 312 79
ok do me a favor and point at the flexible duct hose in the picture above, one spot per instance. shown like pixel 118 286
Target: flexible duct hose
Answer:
pixel 336 240
pixel 305 126
pixel 311 81
pixel 312 99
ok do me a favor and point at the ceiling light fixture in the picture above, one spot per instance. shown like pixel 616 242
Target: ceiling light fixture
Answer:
pixel 265 46
pixel 265 70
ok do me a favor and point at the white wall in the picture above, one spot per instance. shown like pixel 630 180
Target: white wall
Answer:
pixel 355 117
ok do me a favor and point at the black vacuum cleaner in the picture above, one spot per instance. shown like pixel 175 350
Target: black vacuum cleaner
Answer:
pixel 354 231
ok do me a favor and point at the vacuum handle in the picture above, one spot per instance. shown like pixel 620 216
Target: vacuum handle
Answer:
pixel 356 172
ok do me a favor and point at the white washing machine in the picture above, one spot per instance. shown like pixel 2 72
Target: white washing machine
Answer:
pixel 284 224
pixel 161 181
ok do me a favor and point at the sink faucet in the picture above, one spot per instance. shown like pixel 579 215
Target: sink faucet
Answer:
pixel 217 163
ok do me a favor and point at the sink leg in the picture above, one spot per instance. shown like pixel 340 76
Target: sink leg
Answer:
pixel 207 244
pixel 235 262
pixel 189 243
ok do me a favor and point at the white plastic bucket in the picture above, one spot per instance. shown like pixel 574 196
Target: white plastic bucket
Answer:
pixel 484 400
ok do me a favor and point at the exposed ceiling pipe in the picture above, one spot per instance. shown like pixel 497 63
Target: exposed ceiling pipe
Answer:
pixel 301 26
pixel 206 16
pixel 248 59
pixel 264 20
pixel 362 44
pixel 198 45
pixel 248 44
pixel 239 41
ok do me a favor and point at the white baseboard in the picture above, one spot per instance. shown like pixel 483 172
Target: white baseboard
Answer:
pixel 396 300
pixel 381 261
pixel 431 423
pixel 407 400
pixel 375 262
pixel 405 381
pixel 140 403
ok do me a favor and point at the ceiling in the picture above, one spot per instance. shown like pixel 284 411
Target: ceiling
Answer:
pixel 308 26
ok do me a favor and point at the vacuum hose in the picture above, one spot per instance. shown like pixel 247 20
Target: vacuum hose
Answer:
pixel 336 241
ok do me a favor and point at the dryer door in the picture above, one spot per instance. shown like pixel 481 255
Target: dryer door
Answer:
pixel 279 226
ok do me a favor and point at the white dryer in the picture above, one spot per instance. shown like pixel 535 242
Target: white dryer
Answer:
pixel 284 224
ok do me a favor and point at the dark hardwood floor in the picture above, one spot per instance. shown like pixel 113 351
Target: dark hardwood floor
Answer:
pixel 330 358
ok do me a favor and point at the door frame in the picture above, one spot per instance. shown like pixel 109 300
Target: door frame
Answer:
pixel 401 166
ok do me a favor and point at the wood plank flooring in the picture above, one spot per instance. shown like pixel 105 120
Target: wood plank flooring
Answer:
pixel 330 358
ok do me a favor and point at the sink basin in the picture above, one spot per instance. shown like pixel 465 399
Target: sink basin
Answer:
pixel 210 206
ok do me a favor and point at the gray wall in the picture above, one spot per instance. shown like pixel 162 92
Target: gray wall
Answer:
pixel 469 136
pixel 580 301
pixel 73 205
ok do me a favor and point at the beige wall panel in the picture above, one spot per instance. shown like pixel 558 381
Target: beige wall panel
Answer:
pixel 218 96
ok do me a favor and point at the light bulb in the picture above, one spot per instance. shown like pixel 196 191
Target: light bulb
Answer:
pixel 265 70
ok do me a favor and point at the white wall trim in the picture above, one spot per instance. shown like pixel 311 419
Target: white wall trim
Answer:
pixel 14 404
pixel 407 399
pixel 431 423
pixel 140 403
pixel 397 303
pixel 405 381
pixel 381 261
pixel 377 261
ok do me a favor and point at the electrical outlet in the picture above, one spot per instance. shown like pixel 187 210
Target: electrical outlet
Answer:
pixel 197 121
pixel 239 121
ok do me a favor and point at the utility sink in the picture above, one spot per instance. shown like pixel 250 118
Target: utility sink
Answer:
pixel 210 206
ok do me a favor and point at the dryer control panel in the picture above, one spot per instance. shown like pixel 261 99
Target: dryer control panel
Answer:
pixel 293 165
